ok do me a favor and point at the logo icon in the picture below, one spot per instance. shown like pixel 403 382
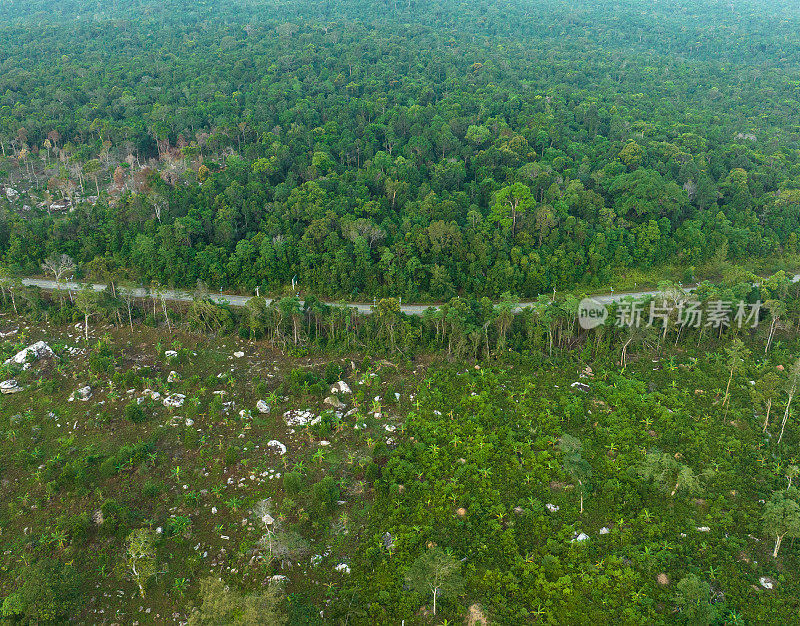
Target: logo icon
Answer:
pixel 591 313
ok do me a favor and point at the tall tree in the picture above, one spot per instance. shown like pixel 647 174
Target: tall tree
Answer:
pixel 437 573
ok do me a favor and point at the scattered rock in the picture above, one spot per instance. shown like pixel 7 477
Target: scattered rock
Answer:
pixel 703 529
pixel 171 354
pixel 238 355
pixel 173 377
pixel 340 387
pixel 297 417
pixel 552 507
pixel 580 386
pixel 343 567
pixel 10 386
pixel 38 350
pixel 263 407
pixel 767 582
pixel 604 530
pixel 334 402
pixel 277 446
pixel 581 537
pixel 97 517
pixel 83 394
pixel 174 400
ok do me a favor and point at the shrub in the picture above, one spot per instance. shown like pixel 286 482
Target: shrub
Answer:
pixel 293 483
pixel 134 413
pixel 325 495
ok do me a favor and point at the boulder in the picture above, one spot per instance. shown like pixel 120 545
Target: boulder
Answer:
pixel 263 407
pixel 10 386
pixel 767 582
pixel 277 446
pixel 174 400
pixel 581 538
pixel 340 387
pixel 38 350
pixel 83 394
pixel 334 402
pixel 297 417
pixel 604 530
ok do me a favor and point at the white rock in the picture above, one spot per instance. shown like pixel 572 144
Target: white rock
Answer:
pixel 38 350
pixel 604 531
pixel 581 537
pixel 580 386
pixel 296 417
pixel 173 377
pixel 174 400
pixel 262 406
pixel 343 567
pixel 334 402
pixel 83 394
pixel 10 386
pixel 703 529
pixel 170 353
pixel 552 507
pixel 277 445
pixel 340 387
pixel 766 582
pixel 238 355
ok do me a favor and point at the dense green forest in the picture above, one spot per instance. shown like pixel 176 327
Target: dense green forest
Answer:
pixel 400 149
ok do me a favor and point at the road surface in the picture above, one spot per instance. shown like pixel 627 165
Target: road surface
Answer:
pixel 239 301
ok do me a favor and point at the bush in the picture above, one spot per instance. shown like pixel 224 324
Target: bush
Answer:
pixel 293 483
pixel 325 495
pixel 333 372
pixel 231 455
pixel 134 413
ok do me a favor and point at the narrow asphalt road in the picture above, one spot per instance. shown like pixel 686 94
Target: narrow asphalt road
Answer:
pixel 238 301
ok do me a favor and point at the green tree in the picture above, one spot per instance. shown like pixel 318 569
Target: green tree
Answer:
pixel 509 203
pixel 574 463
pixel 737 353
pixel 782 517
pixel 667 473
pixel 140 556
pixel 792 385
pixel 694 599
pixel 88 301
pixel 437 573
